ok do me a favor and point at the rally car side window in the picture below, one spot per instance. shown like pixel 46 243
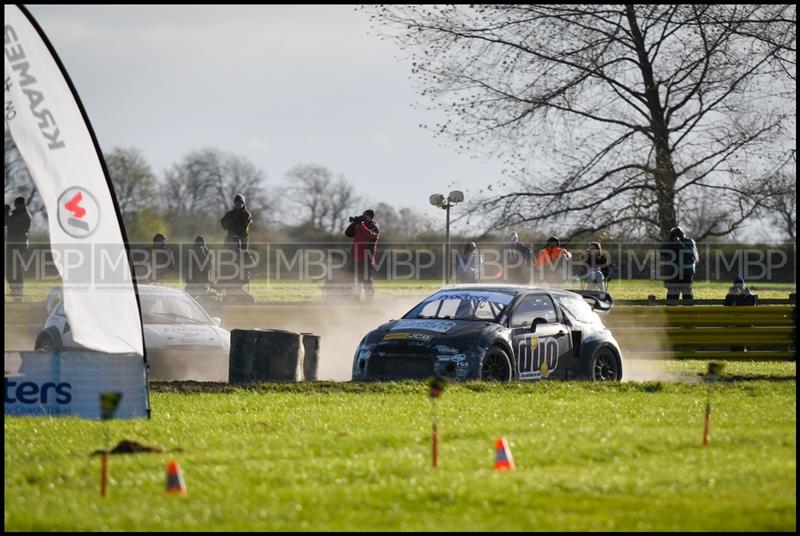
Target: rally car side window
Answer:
pixel 578 309
pixel 533 306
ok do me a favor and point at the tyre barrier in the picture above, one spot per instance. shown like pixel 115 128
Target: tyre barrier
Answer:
pixel 272 355
pixel 310 356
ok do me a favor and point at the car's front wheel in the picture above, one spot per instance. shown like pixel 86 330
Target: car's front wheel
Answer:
pixel 605 366
pixel 496 365
pixel 48 341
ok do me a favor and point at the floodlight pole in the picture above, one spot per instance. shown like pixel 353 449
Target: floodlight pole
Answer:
pixel 439 200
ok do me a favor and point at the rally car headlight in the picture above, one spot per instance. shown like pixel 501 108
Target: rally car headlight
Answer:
pixel 363 353
pixel 364 350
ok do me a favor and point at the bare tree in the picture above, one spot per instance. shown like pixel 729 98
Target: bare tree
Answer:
pixel 341 203
pixel 309 186
pixel 135 185
pixel 204 183
pixel 208 179
pixel 324 203
pixel 400 224
pixel 781 207
pixel 18 181
pixel 612 116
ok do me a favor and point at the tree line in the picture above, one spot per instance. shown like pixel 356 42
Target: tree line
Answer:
pixel 192 195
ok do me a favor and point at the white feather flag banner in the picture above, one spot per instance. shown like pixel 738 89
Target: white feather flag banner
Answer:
pixel 54 137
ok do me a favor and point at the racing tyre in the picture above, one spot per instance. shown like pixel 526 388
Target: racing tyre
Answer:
pixel 48 341
pixel 496 365
pixel 605 366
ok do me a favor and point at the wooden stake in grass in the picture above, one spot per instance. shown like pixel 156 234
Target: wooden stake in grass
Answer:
pixel 436 386
pixel 109 402
pixel 711 377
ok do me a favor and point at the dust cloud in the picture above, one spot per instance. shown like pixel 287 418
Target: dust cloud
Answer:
pixel 340 324
pixel 642 333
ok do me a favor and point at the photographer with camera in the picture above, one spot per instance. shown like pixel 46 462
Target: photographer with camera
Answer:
pixel 365 234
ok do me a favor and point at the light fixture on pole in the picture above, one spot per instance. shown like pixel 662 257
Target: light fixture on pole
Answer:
pixel 439 200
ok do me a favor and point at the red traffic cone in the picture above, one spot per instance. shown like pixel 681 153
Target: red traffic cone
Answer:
pixel 175 483
pixel 503 460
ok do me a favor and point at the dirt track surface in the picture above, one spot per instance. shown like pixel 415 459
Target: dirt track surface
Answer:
pixel 341 325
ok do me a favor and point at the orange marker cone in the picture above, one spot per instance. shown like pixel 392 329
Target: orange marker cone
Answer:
pixel 175 483
pixel 503 460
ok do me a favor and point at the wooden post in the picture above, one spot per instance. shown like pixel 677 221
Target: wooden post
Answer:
pixel 435 445
pixel 103 473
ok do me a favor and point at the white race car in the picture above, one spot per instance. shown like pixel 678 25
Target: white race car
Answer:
pixel 182 341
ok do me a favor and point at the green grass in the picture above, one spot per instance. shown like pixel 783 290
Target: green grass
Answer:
pixel 352 456
pixel 306 290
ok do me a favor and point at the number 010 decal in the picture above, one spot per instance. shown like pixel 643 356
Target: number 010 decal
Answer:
pixel 537 357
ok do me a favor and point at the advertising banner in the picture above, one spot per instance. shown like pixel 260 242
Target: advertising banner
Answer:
pixel 69 384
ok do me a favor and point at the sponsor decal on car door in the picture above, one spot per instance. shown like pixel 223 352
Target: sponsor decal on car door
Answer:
pixel 538 351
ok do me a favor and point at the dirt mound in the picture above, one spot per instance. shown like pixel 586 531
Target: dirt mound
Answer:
pixel 126 446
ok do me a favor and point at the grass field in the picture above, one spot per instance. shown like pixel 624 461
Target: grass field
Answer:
pixel 307 290
pixel 349 456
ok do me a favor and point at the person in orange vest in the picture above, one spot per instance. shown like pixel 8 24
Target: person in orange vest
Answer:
pixel 552 261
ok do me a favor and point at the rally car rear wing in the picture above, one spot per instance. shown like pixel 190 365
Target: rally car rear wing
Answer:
pixel 599 300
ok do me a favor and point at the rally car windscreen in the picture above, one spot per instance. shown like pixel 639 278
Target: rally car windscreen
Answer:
pixel 158 308
pixel 465 305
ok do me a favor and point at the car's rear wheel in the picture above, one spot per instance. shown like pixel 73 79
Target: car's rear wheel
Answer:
pixel 496 365
pixel 605 366
pixel 47 341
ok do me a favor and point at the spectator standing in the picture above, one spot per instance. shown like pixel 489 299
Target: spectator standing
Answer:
pixel 518 259
pixel 198 268
pixel 468 264
pixel 597 267
pixel 679 259
pixel 162 260
pixel 365 233
pixel 237 221
pixel 234 272
pixel 18 224
pixel 552 262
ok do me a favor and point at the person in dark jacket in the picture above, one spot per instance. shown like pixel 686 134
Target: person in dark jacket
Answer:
pixel 18 224
pixel 234 271
pixel 161 258
pixel 679 258
pixel 739 294
pixel 468 264
pixel 517 257
pixel 597 268
pixel 198 268
pixel 365 233
pixel 237 221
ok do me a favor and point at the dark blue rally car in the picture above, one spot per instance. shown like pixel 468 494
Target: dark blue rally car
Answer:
pixel 495 332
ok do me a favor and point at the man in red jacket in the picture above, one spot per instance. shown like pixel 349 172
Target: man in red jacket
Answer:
pixel 365 233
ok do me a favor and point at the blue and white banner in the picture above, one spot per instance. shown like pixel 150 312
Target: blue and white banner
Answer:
pixel 69 384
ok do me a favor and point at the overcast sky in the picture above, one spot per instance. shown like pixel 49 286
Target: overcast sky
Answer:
pixel 281 85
